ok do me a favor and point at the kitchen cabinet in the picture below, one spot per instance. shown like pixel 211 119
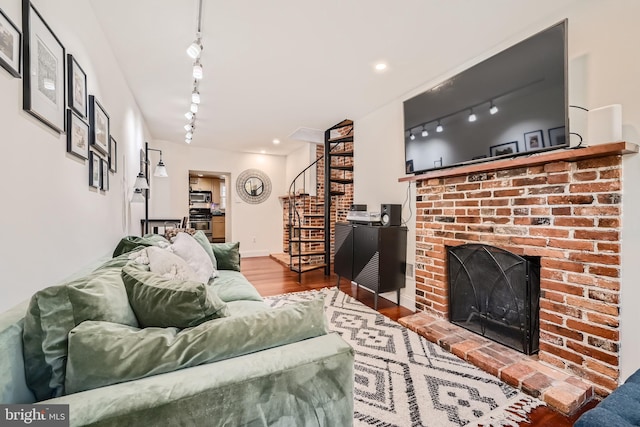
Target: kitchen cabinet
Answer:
pixel 201 184
pixel 371 256
pixel 218 228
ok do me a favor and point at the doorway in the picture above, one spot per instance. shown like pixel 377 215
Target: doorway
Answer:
pixel 209 207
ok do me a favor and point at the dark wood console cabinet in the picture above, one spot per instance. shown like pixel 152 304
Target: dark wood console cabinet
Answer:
pixel 371 256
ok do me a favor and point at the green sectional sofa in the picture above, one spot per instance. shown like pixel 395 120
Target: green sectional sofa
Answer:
pixel 106 343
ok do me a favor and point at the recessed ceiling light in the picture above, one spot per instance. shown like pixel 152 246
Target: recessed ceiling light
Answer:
pixel 381 66
pixel 276 141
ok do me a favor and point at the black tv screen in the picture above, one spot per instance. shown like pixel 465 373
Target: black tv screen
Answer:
pixel 517 97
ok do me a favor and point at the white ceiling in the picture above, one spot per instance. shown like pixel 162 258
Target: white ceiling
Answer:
pixel 273 66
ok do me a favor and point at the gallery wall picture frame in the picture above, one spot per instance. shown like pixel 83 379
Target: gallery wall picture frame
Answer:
pixel 77 135
pixel 503 149
pixel 113 155
pixel 104 175
pixel 99 125
pixel 10 46
pixel 43 81
pixel 77 85
pixel 557 136
pixel 94 170
pixel 533 140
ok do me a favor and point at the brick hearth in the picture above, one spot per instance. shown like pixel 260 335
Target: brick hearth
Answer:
pixel 563 206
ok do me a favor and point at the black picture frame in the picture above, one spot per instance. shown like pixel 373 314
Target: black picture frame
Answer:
pixel 557 136
pixel 94 170
pixel 113 155
pixel 503 149
pixel 533 140
pixel 43 82
pixel 77 135
pixel 99 126
pixel 77 84
pixel 10 46
pixel 104 175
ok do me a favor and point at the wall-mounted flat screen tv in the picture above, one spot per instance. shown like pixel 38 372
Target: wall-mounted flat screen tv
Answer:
pixel 513 103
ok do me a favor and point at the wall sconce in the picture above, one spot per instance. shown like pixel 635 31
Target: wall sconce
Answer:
pixel 141 186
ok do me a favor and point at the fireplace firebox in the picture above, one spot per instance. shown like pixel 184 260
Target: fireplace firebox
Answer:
pixel 496 294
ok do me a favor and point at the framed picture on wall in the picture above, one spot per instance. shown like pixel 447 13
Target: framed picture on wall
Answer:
pixel 557 136
pixel 43 82
pixel 77 87
pixel 533 140
pixel 503 149
pixel 99 125
pixel 113 155
pixel 94 170
pixel 77 135
pixel 10 46
pixel 104 175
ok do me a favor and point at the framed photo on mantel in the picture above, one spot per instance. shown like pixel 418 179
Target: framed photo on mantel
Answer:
pixel 43 82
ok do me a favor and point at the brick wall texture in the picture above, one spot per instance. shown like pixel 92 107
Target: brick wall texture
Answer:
pixel 567 213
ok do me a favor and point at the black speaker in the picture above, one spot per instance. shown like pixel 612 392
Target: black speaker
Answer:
pixel 390 215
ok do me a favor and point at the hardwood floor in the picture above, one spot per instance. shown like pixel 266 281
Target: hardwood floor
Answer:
pixel 271 278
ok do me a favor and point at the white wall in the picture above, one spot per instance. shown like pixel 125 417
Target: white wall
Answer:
pixel 257 227
pixel 296 162
pixel 603 70
pixel 53 223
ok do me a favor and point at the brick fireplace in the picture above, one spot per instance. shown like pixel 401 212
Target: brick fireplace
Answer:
pixel 564 207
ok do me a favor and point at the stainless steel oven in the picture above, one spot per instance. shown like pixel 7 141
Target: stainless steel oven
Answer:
pixel 200 219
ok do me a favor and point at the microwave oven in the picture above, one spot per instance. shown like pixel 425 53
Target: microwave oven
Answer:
pixel 199 197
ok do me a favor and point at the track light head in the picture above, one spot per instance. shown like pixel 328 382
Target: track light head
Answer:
pixel 439 128
pixel 412 136
pixel 425 133
pixel 195 48
pixel 197 70
pixel 472 116
pixel 493 109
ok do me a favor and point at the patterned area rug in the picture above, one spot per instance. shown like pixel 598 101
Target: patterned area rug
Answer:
pixel 404 380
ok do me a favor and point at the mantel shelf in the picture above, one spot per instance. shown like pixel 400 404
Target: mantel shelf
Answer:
pixel 536 159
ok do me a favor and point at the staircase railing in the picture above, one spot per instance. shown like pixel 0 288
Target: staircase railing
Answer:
pixel 295 220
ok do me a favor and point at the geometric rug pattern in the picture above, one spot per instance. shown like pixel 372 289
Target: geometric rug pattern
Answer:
pixel 402 379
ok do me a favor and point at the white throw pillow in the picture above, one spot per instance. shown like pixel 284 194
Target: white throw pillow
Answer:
pixel 187 248
pixel 168 265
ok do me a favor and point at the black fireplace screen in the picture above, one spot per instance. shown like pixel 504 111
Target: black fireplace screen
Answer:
pixel 496 294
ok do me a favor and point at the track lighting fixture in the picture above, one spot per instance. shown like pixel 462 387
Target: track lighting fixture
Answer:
pixel 197 70
pixel 195 49
pixel 439 128
pixel 195 96
pixel 425 133
pixel 493 109
pixel 472 116
pixel 412 136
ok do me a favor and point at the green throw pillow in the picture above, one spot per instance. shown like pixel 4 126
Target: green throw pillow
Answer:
pixel 126 353
pixel 162 302
pixel 129 243
pixel 227 255
pixel 201 238
pixel 55 310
